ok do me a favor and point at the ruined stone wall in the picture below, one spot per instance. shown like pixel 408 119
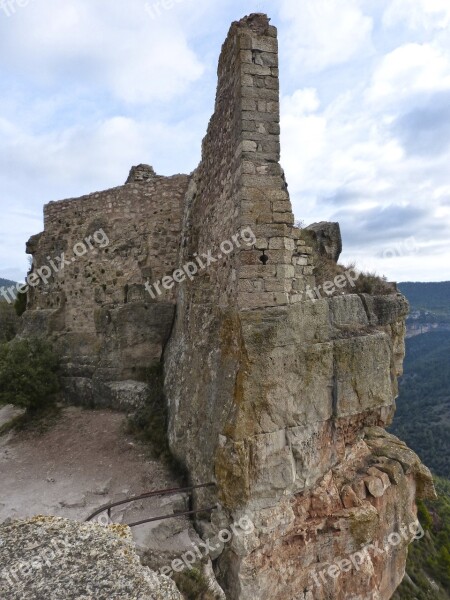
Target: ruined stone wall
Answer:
pixel 106 326
pixel 264 202
pixel 276 397
pixel 204 334
pixel 238 186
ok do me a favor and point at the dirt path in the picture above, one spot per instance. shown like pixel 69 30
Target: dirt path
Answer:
pixel 83 461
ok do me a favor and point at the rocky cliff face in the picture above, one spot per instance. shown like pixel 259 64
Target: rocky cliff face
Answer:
pixel 288 395
pixel 278 395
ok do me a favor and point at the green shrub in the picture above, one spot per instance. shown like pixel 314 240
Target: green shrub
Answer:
pixel 149 424
pixel 424 516
pixel 371 283
pixel 28 374
pixel 20 305
pixel 193 585
pixel 428 566
pixel 326 270
pixel 8 322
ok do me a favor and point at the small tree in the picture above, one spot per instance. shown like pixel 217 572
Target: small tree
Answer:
pixel 28 374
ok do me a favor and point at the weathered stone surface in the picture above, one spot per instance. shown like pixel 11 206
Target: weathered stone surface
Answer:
pixel 348 310
pixel 363 374
pixel 126 395
pixel 141 173
pixel 106 327
pixel 387 445
pixel 53 558
pixel 328 526
pixel 385 310
pixel 33 243
pixel 8 413
pixel 328 239
pixel 288 384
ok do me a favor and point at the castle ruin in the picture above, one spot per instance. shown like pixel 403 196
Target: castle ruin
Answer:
pixel 280 400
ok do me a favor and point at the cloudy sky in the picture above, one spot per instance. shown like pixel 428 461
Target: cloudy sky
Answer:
pixel 90 87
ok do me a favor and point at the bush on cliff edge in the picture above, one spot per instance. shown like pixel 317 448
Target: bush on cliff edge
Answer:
pixel 28 374
pixel 150 423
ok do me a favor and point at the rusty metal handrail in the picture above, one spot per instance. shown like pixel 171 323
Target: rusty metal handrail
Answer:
pixel 155 494
pixel 175 515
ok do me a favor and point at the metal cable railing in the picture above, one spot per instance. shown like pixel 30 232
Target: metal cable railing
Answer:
pixel 155 494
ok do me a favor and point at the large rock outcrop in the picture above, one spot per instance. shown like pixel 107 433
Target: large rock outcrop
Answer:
pixel 328 239
pixel 295 392
pixel 278 398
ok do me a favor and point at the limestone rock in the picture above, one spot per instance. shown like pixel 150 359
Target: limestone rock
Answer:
pixel 384 444
pixel 53 558
pixel 33 243
pixel 348 311
pixel 349 497
pixel 126 395
pixel 384 310
pixel 328 239
pixel 8 413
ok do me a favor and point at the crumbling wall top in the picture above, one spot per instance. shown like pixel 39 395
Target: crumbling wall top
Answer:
pixel 141 173
pixel 258 22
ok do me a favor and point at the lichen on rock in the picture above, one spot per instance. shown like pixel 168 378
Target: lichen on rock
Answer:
pixel 53 559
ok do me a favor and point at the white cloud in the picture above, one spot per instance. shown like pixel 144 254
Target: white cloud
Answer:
pixel 340 145
pixel 302 102
pixel 98 154
pixel 418 14
pixel 410 69
pixel 323 33
pixel 303 135
pixel 344 162
pixel 100 45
